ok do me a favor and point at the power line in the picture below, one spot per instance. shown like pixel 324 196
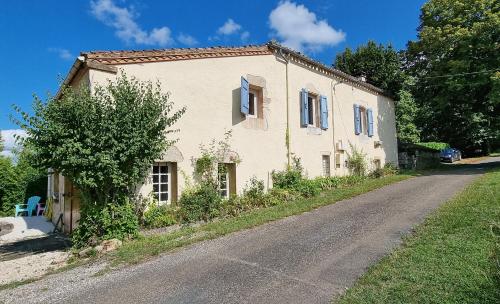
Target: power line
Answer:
pixel 462 74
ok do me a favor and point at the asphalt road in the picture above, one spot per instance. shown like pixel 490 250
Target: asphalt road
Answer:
pixel 307 258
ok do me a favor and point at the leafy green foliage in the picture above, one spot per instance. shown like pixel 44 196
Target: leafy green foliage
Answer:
pixel 455 61
pixel 406 114
pixel 356 161
pixel 159 216
pixel 388 170
pixel 103 222
pixel 11 191
pixel 103 141
pixel 217 152
pixel 289 178
pixel 381 65
pixel 19 181
pixel 437 146
pixel 202 203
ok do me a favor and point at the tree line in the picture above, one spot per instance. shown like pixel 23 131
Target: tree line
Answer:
pixel 446 83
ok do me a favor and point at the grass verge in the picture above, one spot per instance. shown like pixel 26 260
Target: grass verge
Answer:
pixel 453 257
pixel 146 247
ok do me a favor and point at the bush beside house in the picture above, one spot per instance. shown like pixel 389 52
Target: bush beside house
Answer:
pixel 19 180
pixel 104 141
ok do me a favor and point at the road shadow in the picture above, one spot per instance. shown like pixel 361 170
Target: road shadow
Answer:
pixel 28 247
pixel 458 169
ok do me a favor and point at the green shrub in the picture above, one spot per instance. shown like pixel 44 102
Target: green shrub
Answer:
pixel 377 173
pixel 351 180
pixel 19 181
pixel 159 216
pixel 235 205
pixel 390 169
pixel 11 191
pixel 356 161
pixel 100 222
pixel 254 188
pixel 308 187
pixel 202 203
pixel 387 170
pixel 287 179
pixel 437 146
pixel 328 183
pixel 278 196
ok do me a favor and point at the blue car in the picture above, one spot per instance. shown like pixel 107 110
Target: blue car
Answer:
pixel 450 155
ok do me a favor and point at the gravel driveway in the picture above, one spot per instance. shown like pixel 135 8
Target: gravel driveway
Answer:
pixel 307 258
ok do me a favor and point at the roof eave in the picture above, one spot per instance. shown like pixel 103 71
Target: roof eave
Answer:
pixel 82 62
pixel 346 77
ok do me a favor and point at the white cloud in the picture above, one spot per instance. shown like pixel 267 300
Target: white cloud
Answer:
pixel 230 27
pixel 122 19
pixel 9 141
pixel 187 39
pixel 64 54
pixel 244 36
pixel 299 29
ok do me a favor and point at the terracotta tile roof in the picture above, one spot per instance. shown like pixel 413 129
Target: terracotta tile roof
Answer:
pixel 144 56
pixel 126 57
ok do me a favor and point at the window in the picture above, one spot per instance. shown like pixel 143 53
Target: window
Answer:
pixel 338 160
pixel 253 102
pixel 223 179
pixel 161 178
pixel 312 108
pixel 326 165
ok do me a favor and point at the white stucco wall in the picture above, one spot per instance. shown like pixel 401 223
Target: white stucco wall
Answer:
pixel 210 89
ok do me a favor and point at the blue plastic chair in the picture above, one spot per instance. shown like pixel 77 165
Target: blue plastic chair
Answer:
pixel 28 207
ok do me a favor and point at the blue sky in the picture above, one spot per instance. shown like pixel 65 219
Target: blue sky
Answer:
pixel 41 39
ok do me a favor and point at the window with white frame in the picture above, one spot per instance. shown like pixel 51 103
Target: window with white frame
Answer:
pixel 161 182
pixel 313 110
pixel 223 179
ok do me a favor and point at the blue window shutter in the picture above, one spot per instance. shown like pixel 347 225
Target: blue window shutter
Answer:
pixel 244 96
pixel 304 108
pixel 323 104
pixel 369 114
pixel 357 120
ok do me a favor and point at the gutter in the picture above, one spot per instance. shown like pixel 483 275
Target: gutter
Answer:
pixel 287 135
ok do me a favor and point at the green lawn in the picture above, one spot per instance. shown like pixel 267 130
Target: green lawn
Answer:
pixel 449 258
pixel 146 247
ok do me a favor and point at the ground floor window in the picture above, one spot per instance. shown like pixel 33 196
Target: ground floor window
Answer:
pixel 326 165
pixel 223 179
pixel 161 182
pixel 226 177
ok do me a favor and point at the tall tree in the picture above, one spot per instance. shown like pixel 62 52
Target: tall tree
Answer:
pixel 382 67
pixel 104 141
pixel 454 60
